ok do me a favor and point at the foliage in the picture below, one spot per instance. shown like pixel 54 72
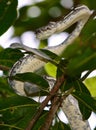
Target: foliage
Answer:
pixel 17 111
pixel 6 19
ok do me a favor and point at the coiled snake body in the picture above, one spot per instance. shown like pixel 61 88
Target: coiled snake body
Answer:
pixel 31 64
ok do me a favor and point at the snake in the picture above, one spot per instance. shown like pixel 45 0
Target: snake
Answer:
pixel 32 63
pixel 35 61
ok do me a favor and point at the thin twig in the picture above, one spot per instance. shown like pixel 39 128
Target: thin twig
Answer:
pixel 55 105
pixel 56 87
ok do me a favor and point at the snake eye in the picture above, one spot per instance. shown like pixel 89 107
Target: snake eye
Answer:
pixel 37 31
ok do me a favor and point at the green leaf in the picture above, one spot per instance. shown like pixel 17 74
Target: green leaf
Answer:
pixel 89 31
pixel 40 121
pixel 72 50
pixel 62 67
pixel 43 44
pixel 86 60
pixel 68 83
pixel 51 66
pixel 52 55
pixel 8 103
pixel 5 89
pixel 8 56
pixel 60 126
pixel 85 99
pixel 16 112
pixel 80 87
pixel 91 84
pixel 50 69
pixel 32 78
pixel 86 113
pixel 8 14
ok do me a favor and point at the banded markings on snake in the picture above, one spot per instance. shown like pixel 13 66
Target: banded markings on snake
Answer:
pixel 30 63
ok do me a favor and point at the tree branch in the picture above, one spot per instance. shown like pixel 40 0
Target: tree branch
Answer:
pixel 54 90
pixel 2 67
pixel 55 105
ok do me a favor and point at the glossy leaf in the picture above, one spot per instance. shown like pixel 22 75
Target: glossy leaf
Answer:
pixel 50 69
pixel 85 99
pixel 91 84
pixel 16 112
pixel 32 78
pixel 81 88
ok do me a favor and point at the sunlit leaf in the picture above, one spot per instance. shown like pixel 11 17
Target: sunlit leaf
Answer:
pixel 91 84
pixel 50 69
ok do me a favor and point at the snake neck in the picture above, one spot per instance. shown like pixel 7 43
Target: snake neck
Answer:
pixel 59 49
pixel 79 15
